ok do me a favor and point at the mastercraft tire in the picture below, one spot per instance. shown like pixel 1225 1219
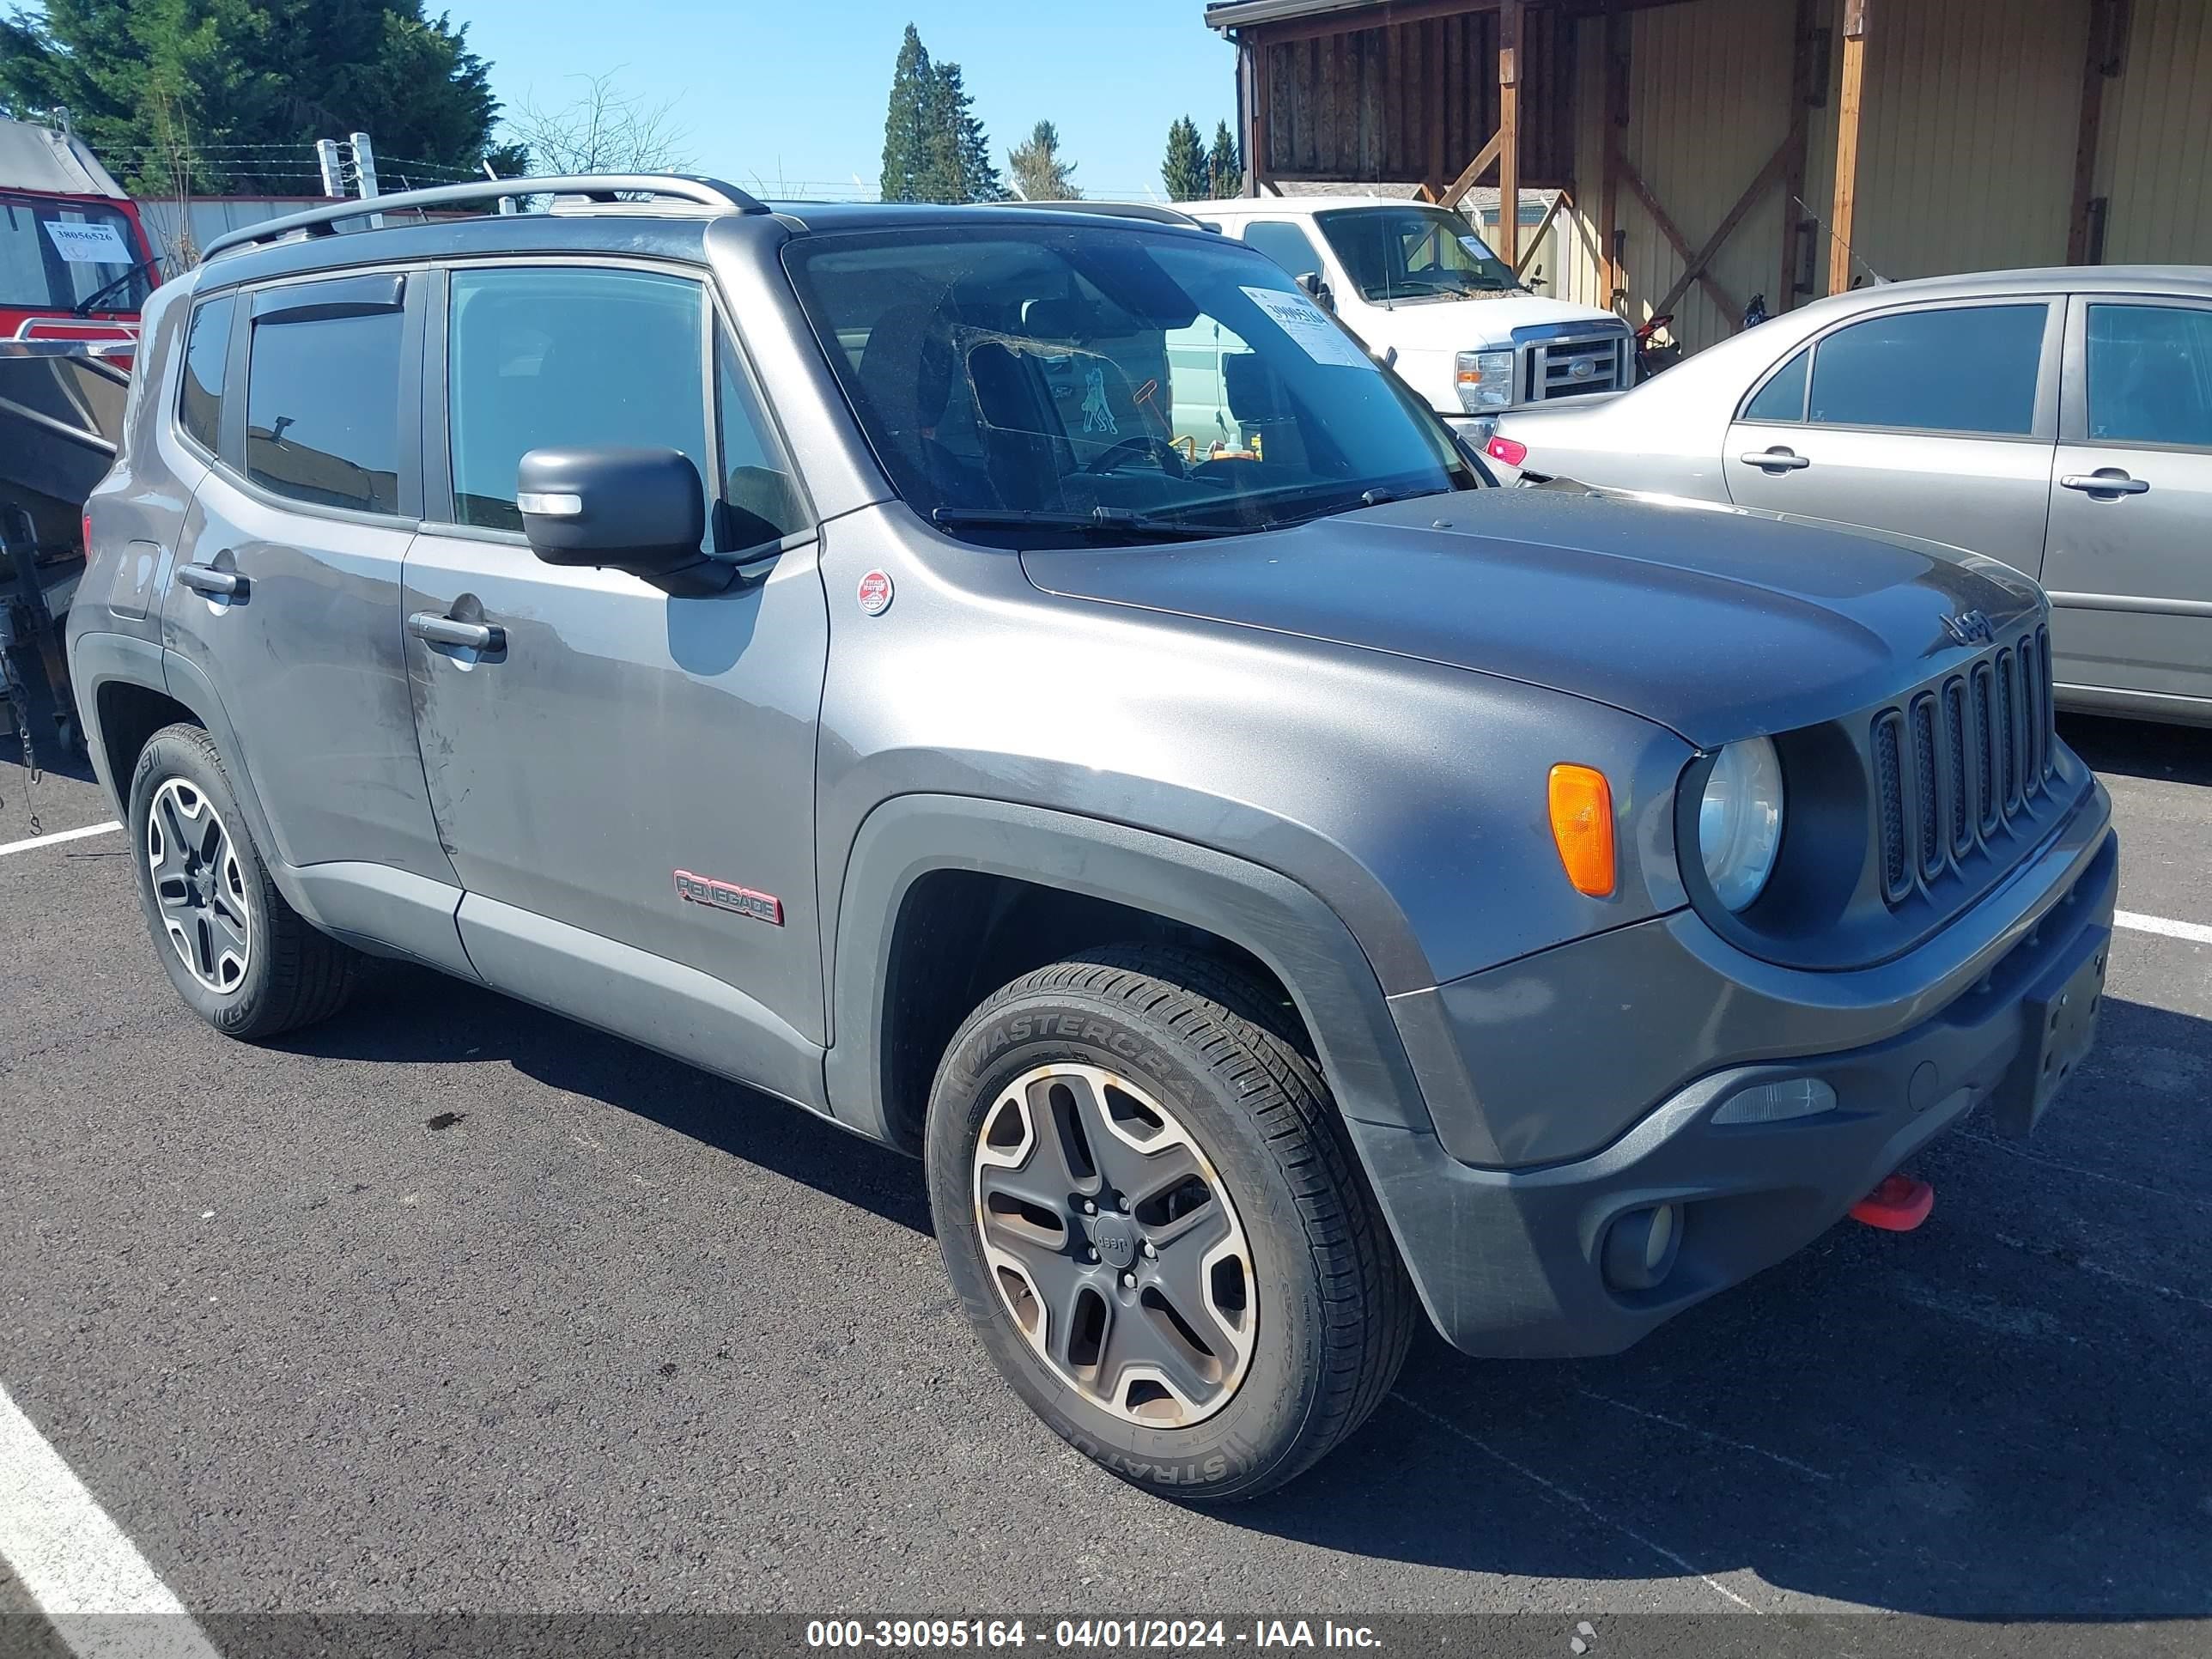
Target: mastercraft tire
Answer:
pixel 1146 1203
pixel 237 953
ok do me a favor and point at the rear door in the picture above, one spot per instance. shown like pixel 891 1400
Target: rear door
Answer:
pixel 286 592
pixel 1933 420
pixel 2130 562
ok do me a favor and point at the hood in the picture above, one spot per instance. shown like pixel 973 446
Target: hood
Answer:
pixel 1468 325
pixel 1717 622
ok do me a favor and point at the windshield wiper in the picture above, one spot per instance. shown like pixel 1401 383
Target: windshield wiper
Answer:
pixel 83 308
pixel 1100 520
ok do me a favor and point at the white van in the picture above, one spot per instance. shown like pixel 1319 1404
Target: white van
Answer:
pixel 1418 279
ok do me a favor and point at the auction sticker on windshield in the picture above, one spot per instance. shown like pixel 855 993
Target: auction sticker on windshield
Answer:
pixel 88 244
pixel 1317 334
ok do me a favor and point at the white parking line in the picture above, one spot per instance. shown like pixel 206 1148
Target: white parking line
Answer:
pixel 2195 932
pixel 59 835
pixel 88 1578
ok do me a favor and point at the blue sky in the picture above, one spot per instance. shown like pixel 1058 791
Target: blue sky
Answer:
pixel 795 89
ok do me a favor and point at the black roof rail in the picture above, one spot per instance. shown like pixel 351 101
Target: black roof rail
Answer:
pixel 598 186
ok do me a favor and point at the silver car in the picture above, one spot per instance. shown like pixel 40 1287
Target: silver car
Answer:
pixel 2060 420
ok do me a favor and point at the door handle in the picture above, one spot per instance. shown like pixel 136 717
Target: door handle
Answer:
pixel 2110 482
pixel 446 631
pixel 1775 460
pixel 206 579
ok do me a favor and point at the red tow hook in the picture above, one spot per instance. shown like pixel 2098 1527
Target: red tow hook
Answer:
pixel 1898 1205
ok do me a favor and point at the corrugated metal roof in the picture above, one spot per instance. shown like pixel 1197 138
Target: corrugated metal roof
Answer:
pixel 38 158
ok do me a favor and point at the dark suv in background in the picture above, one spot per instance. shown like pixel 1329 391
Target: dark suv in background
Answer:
pixel 1272 880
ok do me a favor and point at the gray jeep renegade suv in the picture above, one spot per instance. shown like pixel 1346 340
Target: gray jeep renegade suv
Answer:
pixel 1026 687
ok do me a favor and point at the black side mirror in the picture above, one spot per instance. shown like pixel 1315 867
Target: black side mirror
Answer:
pixel 1317 289
pixel 640 510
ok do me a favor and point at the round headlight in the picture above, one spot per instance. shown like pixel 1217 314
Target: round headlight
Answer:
pixel 1739 820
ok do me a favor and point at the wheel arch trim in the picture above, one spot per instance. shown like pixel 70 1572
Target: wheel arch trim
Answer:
pixel 1303 943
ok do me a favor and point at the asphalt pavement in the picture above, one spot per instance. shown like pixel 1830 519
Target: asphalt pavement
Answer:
pixel 449 1305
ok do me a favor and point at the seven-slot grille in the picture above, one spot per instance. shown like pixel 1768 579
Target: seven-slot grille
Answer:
pixel 1960 759
pixel 1575 366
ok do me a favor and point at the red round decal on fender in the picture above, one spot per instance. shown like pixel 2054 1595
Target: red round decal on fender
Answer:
pixel 875 594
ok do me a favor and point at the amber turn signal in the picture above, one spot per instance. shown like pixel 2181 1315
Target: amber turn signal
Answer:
pixel 1582 825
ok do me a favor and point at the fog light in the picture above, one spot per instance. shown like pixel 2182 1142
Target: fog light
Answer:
pixel 1640 1248
pixel 1777 1102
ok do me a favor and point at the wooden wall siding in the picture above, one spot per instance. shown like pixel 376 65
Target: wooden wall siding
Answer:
pixel 1362 106
pixel 2155 157
pixel 1708 103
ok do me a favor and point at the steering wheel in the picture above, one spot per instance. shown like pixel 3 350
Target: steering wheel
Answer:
pixel 1170 457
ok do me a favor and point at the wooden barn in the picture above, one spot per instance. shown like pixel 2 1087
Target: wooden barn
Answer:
pixel 1707 151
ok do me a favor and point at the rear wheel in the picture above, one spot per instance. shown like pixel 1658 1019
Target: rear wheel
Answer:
pixel 1145 1201
pixel 244 960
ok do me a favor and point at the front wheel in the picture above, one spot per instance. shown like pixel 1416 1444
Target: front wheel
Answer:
pixel 1145 1201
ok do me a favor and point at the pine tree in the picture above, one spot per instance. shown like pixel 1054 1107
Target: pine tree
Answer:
pixel 1225 174
pixel 138 75
pixel 907 123
pixel 959 148
pixel 1183 172
pixel 1037 168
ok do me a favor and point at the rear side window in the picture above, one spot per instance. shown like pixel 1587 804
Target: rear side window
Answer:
pixel 1959 368
pixel 2150 375
pixel 322 410
pixel 539 358
pixel 207 350
pixel 1287 245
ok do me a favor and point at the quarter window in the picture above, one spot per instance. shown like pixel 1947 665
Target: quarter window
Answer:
pixel 1959 368
pixel 760 501
pixel 207 350
pixel 548 357
pixel 1783 397
pixel 322 410
pixel 2150 375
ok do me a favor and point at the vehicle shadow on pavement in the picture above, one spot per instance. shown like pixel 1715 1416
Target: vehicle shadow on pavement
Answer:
pixel 413 1015
pixel 2137 749
pixel 2000 1416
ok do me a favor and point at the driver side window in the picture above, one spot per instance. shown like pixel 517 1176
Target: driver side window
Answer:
pixel 1287 245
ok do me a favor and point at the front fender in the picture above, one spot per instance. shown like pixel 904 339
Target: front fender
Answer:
pixel 1299 938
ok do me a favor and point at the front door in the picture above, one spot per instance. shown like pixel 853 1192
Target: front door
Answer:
pixel 626 780
pixel 1934 420
pixel 2130 564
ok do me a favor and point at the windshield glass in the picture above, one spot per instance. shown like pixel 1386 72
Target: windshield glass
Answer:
pixel 1413 252
pixel 1089 378
pixel 55 253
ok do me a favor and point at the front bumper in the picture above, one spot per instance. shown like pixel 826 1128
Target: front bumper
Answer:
pixel 1509 1260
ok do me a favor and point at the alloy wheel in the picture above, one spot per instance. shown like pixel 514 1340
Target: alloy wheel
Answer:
pixel 1115 1245
pixel 199 887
